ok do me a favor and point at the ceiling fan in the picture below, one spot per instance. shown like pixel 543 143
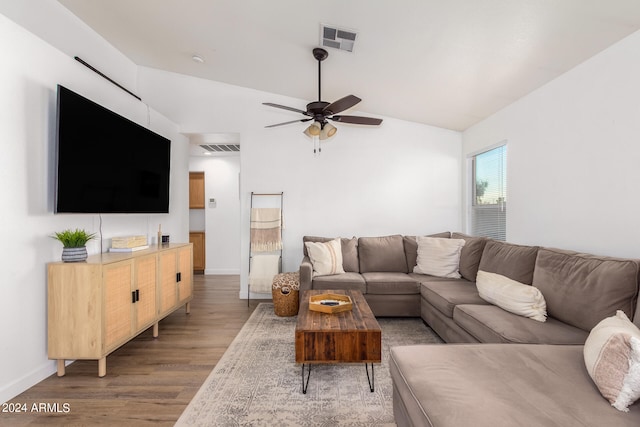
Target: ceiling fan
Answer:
pixel 320 111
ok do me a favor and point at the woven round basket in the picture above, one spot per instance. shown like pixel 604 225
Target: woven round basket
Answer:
pixel 285 292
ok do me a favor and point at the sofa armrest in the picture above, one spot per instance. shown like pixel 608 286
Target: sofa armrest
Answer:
pixel 306 274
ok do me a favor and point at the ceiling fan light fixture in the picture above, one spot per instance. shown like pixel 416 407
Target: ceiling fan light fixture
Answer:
pixel 328 130
pixel 314 129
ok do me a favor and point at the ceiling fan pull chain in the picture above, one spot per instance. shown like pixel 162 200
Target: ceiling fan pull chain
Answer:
pixel 316 146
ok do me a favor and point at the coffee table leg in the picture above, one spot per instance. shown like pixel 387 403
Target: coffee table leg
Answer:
pixel 305 385
pixel 372 379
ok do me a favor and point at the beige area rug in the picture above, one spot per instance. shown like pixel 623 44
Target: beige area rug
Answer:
pixel 258 383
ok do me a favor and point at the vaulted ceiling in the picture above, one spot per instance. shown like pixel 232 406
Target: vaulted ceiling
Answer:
pixel 443 63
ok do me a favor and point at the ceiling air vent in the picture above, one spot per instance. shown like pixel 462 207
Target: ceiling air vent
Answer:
pixel 221 148
pixel 337 38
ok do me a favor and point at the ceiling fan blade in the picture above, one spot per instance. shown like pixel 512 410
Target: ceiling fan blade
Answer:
pixel 357 120
pixel 342 104
pixel 288 123
pixel 284 107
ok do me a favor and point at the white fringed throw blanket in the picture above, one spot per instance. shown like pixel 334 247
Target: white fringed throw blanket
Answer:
pixel 263 269
pixel 266 224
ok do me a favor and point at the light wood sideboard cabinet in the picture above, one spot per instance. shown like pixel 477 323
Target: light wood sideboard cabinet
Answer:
pixel 176 278
pixel 96 306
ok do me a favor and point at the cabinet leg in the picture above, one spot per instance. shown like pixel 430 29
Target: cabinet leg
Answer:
pixel 61 368
pixel 187 307
pixel 155 330
pixel 102 367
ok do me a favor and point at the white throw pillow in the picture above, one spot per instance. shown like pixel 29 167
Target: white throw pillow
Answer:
pixel 511 295
pixel 326 257
pixel 439 256
pixel 612 358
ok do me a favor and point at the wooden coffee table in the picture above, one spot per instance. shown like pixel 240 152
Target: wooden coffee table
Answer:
pixel 348 337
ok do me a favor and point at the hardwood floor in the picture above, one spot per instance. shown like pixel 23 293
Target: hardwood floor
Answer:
pixel 149 381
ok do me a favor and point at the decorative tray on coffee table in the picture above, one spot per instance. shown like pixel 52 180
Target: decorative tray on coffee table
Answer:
pixel 330 303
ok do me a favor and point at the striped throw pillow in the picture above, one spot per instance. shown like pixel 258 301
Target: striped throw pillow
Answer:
pixel 326 257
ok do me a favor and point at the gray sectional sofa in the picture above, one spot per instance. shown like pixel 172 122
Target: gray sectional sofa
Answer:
pixel 511 370
pixel 380 267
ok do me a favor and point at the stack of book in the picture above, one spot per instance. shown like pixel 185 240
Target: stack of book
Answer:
pixel 128 244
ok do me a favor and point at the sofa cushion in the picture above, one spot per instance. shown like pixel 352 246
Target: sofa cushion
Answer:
pixel 515 297
pixel 391 283
pixel 411 248
pixel 427 278
pixel 326 257
pixel 493 385
pixel 574 284
pixel 514 261
pixel 470 255
pixel 439 257
pixel 349 251
pixel 612 358
pixel 491 324
pixel 345 281
pixel 350 261
pixel 444 295
pixel 382 254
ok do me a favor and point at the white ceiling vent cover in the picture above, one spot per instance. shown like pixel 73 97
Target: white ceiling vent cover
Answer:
pixel 221 148
pixel 337 38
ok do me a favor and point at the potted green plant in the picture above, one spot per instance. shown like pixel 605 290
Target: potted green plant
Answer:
pixel 74 244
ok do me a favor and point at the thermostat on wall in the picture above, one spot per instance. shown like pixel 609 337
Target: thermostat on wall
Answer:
pixel 212 203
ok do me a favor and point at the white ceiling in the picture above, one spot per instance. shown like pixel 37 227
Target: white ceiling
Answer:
pixel 447 63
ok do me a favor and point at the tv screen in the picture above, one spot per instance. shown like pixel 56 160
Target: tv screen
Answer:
pixel 106 163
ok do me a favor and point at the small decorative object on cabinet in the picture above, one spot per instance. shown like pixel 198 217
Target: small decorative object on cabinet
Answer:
pixel 74 244
pixel 96 306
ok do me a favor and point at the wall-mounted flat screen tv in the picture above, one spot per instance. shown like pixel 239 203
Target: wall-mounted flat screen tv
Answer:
pixel 106 163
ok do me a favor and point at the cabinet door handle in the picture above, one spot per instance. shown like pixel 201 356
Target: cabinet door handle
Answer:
pixel 133 297
pixel 178 277
pixel 137 295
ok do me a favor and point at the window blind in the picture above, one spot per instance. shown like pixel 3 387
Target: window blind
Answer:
pixel 489 194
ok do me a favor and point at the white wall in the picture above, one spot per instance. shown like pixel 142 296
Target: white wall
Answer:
pixel 60 28
pixel 222 222
pixel 400 177
pixel 573 156
pixel 31 69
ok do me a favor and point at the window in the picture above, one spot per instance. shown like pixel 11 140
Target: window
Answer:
pixel 489 194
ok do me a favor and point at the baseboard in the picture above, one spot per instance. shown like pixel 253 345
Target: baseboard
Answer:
pixel 221 271
pixel 45 370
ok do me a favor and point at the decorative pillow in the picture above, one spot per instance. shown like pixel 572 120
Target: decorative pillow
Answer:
pixel 326 257
pixel 411 247
pixel 612 357
pixel 439 256
pixel 350 261
pixel 512 296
